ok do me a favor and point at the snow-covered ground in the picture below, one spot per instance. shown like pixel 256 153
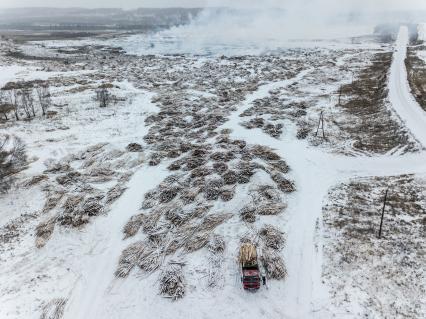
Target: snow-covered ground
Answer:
pixel 78 265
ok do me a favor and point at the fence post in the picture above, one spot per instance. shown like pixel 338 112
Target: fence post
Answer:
pixel 383 213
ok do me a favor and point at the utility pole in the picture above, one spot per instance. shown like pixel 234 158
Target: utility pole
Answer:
pixel 383 213
pixel 321 125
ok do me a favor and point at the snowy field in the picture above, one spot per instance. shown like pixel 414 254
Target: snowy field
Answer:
pixel 204 148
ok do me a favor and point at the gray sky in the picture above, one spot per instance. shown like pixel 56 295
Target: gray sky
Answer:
pixel 359 4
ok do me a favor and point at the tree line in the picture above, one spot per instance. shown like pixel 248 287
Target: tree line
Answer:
pixel 24 99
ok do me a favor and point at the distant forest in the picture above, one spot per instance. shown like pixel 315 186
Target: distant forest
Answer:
pixel 57 19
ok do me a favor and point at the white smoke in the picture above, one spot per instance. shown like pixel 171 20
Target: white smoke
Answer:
pixel 262 26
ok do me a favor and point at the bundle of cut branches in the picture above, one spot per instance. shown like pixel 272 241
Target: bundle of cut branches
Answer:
pixel 114 193
pixel 197 241
pixel 150 199
pixel 167 194
pixel 57 167
pixel 188 195
pixel 52 200
pixel 44 231
pixel 133 225
pixel 274 264
pixel 176 215
pixel 194 162
pixel 37 179
pixel 212 189
pixel 270 208
pixel 134 147
pixel 265 153
pixel 201 172
pixel 129 258
pixel 267 192
pixel 248 214
pixel 272 237
pixel 273 130
pixel 176 165
pixel 151 221
pixel 69 178
pixel 249 166
pixel 92 207
pixel 257 122
pixel 230 177
pixel 243 176
pixel 151 259
pixel 100 172
pixel 239 143
pixel 210 222
pixel 222 156
pixel 303 132
pixel 154 160
pixel 220 167
pixel 227 194
pixel 280 165
pixel 283 183
pixel 226 131
pixel 72 203
pixel 172 283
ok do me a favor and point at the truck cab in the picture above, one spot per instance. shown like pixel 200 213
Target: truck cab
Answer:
pixel 251 278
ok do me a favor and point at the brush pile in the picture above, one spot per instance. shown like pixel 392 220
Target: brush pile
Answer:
pixel 272 237
pixel 72 198
pixel 129 259
pixel 133 225
pixel 43 232
pixel 172 283
pixel 283 183
pixel 274 264
pixel 134 147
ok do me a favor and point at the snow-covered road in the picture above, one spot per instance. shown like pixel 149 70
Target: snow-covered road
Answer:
pixel 400 94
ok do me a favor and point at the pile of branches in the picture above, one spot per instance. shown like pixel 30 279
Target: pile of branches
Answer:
pixel 44 231
pixel 172 282
pixel 272 237
pixel 129 259
pixel 283 183
pixel 274 264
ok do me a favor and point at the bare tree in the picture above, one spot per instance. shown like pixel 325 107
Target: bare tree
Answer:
pixel 12 160
pixel 27 100
pixel 5 106
pixel 11 91
pixel 44 97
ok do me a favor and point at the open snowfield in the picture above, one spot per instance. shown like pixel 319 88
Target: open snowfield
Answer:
pixel 228 147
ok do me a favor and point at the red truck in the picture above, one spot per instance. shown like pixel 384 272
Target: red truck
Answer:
pixel 250 272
